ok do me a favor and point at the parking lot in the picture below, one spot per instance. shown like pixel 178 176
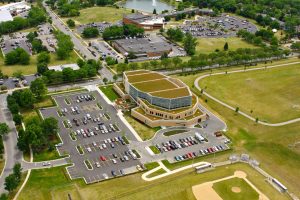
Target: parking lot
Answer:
pixel 222 26
pixel 15 40
pixel 102 49
pixel 45 34
pixel 189 144
pixel 93 136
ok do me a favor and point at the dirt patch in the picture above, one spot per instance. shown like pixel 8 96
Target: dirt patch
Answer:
pixel 205 191
pixel 236 189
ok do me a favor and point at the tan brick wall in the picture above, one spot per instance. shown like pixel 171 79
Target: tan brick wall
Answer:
pixel 163 122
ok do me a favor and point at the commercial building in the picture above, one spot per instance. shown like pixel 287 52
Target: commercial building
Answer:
pixel 147 22
pixel 142 47
pixel 62 67
pixel 5 16
pixel 16 8
pixel 161 100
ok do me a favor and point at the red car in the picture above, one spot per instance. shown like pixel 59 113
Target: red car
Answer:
pixel 102 158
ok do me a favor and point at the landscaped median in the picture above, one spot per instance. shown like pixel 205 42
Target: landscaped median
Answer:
pixel 154 149
pixel 79 149
pixel 88 164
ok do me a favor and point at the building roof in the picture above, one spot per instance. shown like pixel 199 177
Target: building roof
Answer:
pixel 156 84
pixel 143 45
pixel 5 16
pixel 61 67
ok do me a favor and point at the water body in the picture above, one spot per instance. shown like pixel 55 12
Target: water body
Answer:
pixel 147 5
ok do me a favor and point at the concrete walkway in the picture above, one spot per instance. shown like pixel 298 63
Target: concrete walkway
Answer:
pixel 196 83
pixel 168 172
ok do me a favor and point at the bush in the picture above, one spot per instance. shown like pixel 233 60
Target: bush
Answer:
pixel 90 32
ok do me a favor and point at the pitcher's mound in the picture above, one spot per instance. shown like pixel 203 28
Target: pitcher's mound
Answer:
pixel 236 189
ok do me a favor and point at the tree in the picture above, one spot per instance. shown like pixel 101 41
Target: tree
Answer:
pixel 64 44
pixel 189 44
pixel 154 11
pixel 90 32
pixel 17 171
pixel 115 77
pixel 11 183
pixel 27 99
pixel 226 46
pixel 4 196
pixel 71 23
pixel 176 61
pixel 69 75
pixel 24 58
pixel 18 55
pixel 237 109
pixel 4 129
pixel 145 65
pixel 105 80
pixel 50 126
pixel 42 67
pixel 43 57
pixel 38 88
pixel 17 119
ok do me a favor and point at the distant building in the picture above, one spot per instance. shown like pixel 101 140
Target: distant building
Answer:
pixel 5 16
pixel 161 100
pixel 147 22
pixel 142 47
pixel 16 8
pixel 61 67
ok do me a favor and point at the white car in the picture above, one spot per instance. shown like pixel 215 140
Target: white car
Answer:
pixel 114 161
pixel 97 164
pixel 89 149
pixel 95 144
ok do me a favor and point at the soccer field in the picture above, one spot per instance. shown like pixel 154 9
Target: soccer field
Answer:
pixel 272 95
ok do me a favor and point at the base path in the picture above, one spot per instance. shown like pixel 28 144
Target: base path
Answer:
pixel 196 83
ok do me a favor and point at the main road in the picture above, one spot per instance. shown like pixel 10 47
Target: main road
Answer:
pixel 79 45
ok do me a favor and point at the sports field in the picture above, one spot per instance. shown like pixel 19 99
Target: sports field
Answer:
pixel 208 45
pixel 53 184
pixel 272 95
pixel 99 14
pixel 275 147
pixel 235 189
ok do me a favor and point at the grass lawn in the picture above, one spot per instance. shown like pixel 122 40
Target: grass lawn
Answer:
pixel 208 45
pixel 224 189
pixel 144 131
pixel 274 147
pixel 31 68
pixel 109 92
pixel 154 149
pixel 46 154
pixel 151 165
pixel 174 132
pixel 156 173
pixel 99 14
pixel 53 183
pixel 271 95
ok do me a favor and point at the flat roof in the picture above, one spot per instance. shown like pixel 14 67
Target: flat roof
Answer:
pixel 5 16
pixel 142 45
pixel 146 76
pixel 156 84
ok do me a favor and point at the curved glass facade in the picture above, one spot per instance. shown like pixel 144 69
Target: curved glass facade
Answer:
pixel 159 101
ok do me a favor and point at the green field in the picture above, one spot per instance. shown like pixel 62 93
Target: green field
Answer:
pixel 208 45
pixel 224 190
pixel 271 95
pixel 99 14
pixel 274 147
pixel 144 131
pixel 31 68
pixel 53 184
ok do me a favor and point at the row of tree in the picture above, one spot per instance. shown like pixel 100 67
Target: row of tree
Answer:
pixel 259 38
pixel 87 69
pixel 220 58
pixel 64 45
pixel 35 17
